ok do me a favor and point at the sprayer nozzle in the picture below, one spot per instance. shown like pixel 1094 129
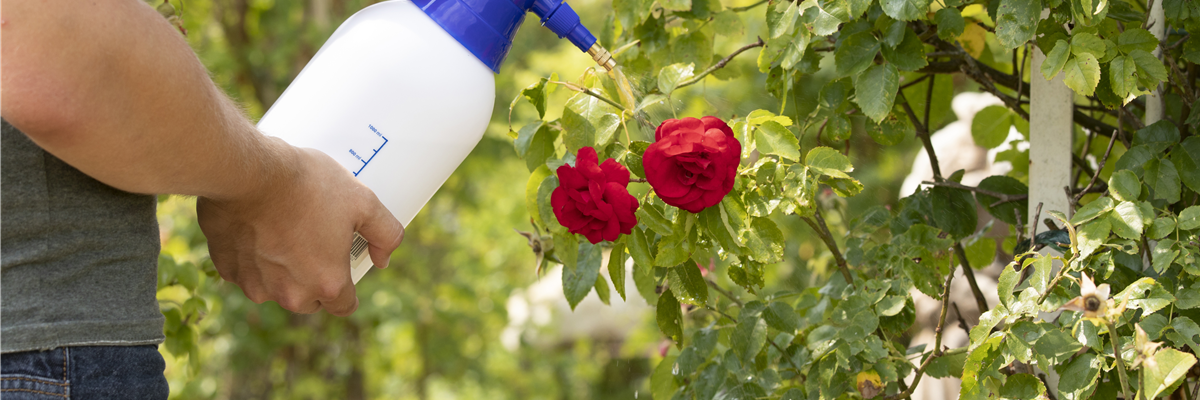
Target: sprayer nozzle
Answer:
pixel 602 57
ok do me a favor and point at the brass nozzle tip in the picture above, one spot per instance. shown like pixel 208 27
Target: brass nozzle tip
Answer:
pixel 602 57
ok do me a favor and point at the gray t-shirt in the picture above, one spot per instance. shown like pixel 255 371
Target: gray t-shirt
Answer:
pixel 78 258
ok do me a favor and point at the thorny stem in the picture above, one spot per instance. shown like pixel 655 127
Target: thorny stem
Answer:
pixel 822 231
pixel 937 344
pixel 720 64
pixel 1092 182
pixel 1112 332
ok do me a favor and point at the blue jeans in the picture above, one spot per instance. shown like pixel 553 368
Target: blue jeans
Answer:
pixel 84 372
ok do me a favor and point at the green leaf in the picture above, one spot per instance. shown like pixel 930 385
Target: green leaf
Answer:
pixel 1082 74
pixel 950 23
pixel 1161 227
pixel 1124 185
pixel 588 121
pixel 650 216
pixel 1092 210
pixel 1007 211
pixel 616 267
pixel 536 94
pixel 990 126
pixel 1145 294
pixel 786 21
pixel 891 131
pixel 1127 221
pixel 855 53
pixel 1056 59
pixel 670 76
pixel 909 55
pixel 783 317
pixel 1186 157
pixel 677 5
pixel 773 138
pixel 1166 368
pixel 748 337
pixel 1122 73
pixel 578 281
pixel 602 290
pixel 643 270
pixel 670 317
pixel 1163 179
pixel 1079 373
pixel 1158 136
pixel 1150 70
pixel 1008 281
pixel 671 251
pixel 1135 159
pixel 1136 39
pixel 544 209
pixel 1022 386
pixel 727 23
pixel 1087 43
pixel 662 381
pixel 828 161
pixel 947 366
pixel 1189 218
pixel 1016 21
pixel 716 224
pixel 765 241
pixel 1057 346
pixel 876 90
pixel 905 10
pixel 1092 235
pixel 689 285
pixel 955 211
pixel 1041 274
pixel 981 253
pixel 978 366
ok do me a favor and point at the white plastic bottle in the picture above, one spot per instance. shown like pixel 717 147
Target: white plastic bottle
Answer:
pixel 401 93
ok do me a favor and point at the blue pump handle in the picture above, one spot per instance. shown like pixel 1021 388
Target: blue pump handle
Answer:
pixel 487 27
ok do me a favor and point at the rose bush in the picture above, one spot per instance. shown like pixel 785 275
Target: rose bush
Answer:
pixel 592 198
pixel 692 162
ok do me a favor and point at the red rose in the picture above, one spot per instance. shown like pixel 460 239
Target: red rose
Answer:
pixel 693 162
pixel 592 199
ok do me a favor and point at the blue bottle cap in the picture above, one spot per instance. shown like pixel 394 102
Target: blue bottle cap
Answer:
pixel 487 27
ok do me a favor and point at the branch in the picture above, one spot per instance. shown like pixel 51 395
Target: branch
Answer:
pixel 923 133
pixel 822 231
pixel 720 64
pixel 1004 198
pixel 740 9
pixel 980 300
pixel 1092 182
pixel 937 344
pixel 589 92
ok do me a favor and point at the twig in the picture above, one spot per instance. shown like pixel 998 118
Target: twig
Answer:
pixel 724 292
pixel 589 92
pixel 915 81
pixel 962 323
pixel 1033 224
pixel 744 8
pixel 929 99
pixel 1112 140
pixel 923 133
pixel 1003 197
pixel 720 64
pixel 937 344
pixel 1011 197
pixel 822 231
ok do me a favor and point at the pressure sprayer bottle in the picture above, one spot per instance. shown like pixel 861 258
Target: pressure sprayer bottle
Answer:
pixel 403 91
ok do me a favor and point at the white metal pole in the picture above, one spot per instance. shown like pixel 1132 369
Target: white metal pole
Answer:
pixel 1050 132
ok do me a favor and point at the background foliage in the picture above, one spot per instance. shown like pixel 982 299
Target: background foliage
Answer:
pixel 810 280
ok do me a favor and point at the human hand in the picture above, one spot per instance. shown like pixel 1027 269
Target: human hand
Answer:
pixel 289 240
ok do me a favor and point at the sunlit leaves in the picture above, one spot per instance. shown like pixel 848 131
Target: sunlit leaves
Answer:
pixel 1016 21
pixel 1056 59
pixel 1165 368
pixel 670 76
pixel 905 10
pixel 773 138
pixel 1082 73
pixel 588 121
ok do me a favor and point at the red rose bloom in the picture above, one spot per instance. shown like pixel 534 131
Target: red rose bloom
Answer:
pixel 693 162
pixel 592 200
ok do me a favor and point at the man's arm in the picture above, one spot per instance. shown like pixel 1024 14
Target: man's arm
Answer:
pixel 110 87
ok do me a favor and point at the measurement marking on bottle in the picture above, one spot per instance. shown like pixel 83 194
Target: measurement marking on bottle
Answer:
pixel 374 151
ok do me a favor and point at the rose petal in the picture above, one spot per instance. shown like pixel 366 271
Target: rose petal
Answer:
pixel 615 172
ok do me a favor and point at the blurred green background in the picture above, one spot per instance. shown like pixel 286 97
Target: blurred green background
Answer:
pixel 436 324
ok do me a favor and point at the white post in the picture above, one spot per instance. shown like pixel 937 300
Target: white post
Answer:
pixel 1050 132
pixel 1158 27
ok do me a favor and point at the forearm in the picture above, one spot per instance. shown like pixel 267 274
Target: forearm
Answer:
pixel 112 89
